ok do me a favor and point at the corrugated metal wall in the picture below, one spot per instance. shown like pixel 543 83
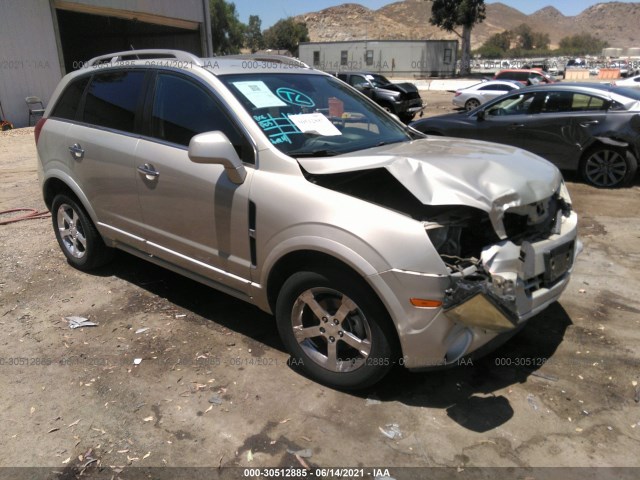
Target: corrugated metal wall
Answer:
pixel 182 9
pixel 29 59
pixel 410 59
pixel 28 56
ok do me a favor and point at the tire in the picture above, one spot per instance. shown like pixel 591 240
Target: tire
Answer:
pixel 406 117
pixel 348 354
pixel 471 104
pixel 77 235
pixel 387 107
pixel 606 166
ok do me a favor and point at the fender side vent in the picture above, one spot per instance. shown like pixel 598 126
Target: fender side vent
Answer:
pixel 252 233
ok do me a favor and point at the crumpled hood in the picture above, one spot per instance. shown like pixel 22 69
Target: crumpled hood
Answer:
pixel 405 88
pixel 453 171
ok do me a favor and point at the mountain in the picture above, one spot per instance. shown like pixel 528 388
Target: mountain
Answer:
pixel 615 22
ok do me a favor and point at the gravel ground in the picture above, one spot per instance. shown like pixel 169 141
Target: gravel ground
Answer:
pixel 213 387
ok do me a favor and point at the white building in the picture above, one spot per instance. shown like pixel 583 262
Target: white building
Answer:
pixel 44 39
pixel 402 58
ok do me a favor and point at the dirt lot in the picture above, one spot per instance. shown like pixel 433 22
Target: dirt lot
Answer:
pixel 213 387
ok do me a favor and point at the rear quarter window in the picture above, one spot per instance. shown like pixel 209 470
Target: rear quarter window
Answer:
pixel 69 102
pixel 112 99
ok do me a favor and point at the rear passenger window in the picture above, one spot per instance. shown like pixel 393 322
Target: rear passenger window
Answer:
pixel 182 109
pixel 587 102
pixel 67 106
pixel 112 99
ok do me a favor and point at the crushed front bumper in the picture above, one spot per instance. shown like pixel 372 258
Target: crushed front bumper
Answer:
pixel 520 282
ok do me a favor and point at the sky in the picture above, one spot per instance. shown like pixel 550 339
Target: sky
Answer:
pixel 270 11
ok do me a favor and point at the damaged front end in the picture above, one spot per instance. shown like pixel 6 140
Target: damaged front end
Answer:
pixel 506 237
pixel 497 283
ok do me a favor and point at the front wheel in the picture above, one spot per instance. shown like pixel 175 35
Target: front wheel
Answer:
pixel 335 329
pixel 407 117
pixel 77 236
pixel 606 166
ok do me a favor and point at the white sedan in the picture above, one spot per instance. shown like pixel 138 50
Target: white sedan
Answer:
pixel 475 95
pixel 633 82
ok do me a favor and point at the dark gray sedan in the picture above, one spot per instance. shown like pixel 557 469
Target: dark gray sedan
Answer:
pixel 592 128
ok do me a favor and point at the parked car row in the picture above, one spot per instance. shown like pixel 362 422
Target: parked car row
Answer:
pixel 592 128
pixel 525 76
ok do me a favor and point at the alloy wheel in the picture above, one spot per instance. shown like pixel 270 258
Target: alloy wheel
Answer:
pixel 605 168
pixel 331 329
pixel 72 234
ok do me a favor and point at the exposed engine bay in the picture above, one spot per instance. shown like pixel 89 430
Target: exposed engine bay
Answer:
pixel 479 261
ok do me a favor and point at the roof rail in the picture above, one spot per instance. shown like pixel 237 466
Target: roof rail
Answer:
pixel 179 55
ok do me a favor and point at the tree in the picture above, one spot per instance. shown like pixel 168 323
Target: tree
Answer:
pixel 455 14
pixel 253 34
pixel 286 34
pixel 530 40
pixel 227 32
pixel 497 45
pixel 524 35
pixel 581 44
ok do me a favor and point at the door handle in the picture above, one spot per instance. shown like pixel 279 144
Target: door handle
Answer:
pixel 148 171
pixel 589 122
pixel 76 151
pixel 514 126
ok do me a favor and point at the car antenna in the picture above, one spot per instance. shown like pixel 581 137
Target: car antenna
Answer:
pixel 132 48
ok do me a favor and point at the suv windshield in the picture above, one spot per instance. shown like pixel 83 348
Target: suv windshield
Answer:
pixel 313 115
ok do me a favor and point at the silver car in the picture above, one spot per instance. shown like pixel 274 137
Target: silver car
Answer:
pixel 472 97
pixel 285 187
pixel 632 82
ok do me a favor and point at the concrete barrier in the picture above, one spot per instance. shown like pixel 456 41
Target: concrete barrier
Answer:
pixel 609 73
pixel 577 74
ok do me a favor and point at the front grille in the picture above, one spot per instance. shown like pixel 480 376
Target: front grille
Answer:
pixel 519 226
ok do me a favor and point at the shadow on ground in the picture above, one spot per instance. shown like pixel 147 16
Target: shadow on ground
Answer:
pixel 199 299
pixel 465 391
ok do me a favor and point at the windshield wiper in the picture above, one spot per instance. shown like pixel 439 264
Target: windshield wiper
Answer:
pixel 313 153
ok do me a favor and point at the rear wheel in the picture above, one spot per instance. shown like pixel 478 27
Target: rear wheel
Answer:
pixel 471 104
pixel 607 166
pixel 335 329
pixel 77 236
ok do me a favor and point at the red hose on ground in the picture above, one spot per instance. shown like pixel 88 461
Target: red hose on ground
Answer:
pixel 33 213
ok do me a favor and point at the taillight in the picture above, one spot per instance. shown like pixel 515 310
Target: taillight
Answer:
pixel 457 93
pixel 38 128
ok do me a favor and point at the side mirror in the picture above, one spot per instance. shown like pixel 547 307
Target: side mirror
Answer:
pixel 481 115
pixel 215 148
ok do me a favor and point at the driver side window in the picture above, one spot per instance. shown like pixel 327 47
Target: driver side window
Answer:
pixel 183 109
pixel 513 105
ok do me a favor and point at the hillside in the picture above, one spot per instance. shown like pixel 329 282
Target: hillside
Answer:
pixel 615 22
